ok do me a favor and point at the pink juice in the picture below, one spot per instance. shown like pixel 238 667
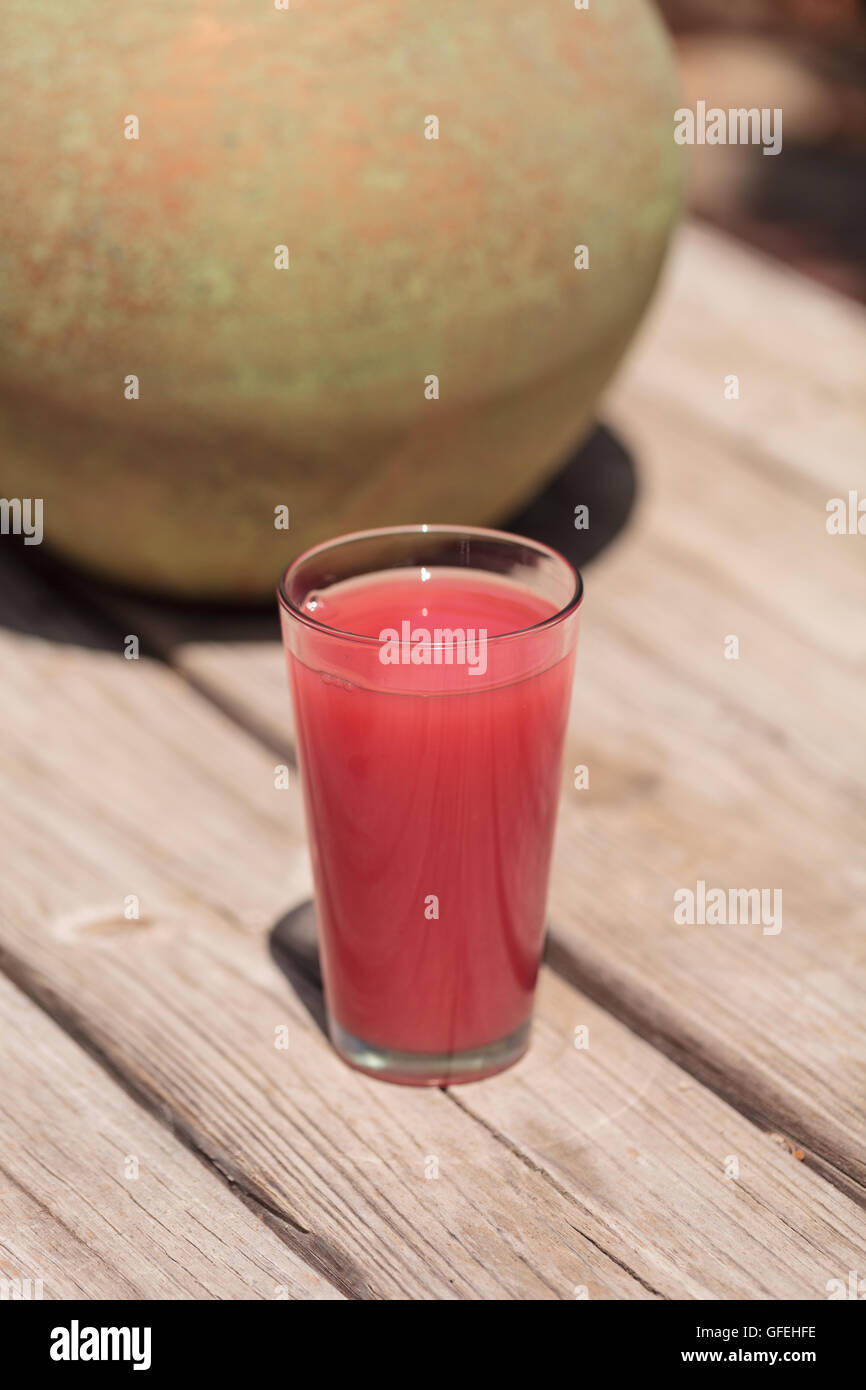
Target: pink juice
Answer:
pixel 431 793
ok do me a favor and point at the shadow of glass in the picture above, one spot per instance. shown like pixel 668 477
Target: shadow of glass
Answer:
pixel 293 946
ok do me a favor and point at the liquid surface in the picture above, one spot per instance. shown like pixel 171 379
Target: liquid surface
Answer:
pixel 435 597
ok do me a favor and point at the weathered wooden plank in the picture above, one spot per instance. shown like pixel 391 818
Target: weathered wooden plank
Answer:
pixel 679 1174
pixel 99 1200
pixel 798 348
pixel 738 773
pixel 185 1006
pixel 121 781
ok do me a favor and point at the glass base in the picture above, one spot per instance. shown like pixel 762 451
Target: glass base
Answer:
pixel 430 1068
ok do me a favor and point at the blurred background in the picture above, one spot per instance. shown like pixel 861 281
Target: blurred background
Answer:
pixel 809 58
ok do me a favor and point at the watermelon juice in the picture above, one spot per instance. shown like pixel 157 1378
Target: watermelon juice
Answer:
pixel 430 706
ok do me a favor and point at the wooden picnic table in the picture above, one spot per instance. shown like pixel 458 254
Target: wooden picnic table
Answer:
pixel 174 1121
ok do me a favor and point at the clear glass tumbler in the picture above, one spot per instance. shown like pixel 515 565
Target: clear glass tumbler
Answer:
pixel 430 669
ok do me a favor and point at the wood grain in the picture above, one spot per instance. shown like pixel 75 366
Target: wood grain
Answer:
pixel 129 782
pixel 798 348
pixel 739 773
pixel 99 1200
pixel 685 1179
pixel 118 780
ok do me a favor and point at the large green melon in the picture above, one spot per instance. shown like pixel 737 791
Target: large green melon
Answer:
pixel 409 258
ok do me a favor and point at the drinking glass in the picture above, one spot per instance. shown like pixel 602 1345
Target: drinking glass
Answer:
pixel 430 670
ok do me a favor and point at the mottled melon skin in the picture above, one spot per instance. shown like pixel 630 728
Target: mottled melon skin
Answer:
pixel 408 257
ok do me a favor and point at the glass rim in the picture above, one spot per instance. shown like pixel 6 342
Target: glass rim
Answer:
pixel 425 529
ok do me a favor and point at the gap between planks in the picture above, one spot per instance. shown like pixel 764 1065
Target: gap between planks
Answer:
pixel 162 1228
pixel 318 1255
